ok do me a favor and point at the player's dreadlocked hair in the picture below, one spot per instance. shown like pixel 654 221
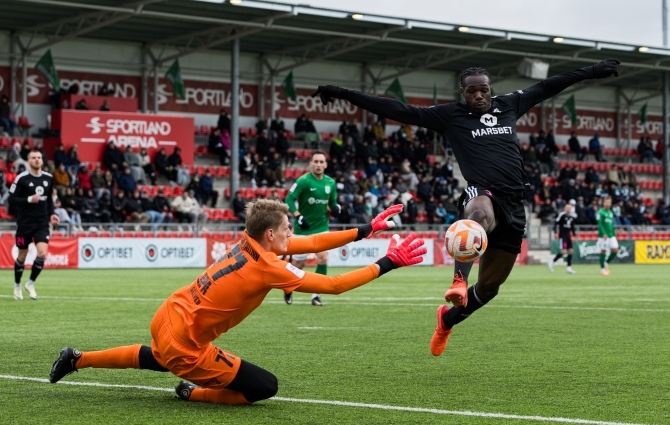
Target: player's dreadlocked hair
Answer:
pixel 472 72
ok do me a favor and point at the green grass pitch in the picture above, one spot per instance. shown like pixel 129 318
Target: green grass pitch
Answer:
pixel 551 345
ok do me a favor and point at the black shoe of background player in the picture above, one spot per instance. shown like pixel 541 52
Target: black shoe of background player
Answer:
pixel 184 390
pixel 64 364
pixel 288 298
pixel 316 301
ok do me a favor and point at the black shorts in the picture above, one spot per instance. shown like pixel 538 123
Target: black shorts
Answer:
pixel 564 242
pixel 510 217
pixel 25 236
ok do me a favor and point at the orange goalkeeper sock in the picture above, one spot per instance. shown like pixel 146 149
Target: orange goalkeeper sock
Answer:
pixel 127 357
pixel 222 396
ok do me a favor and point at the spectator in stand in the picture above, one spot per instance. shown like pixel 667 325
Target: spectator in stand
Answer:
pixel 147 166
pixel 540 140
pixel 349 150
pixel 14 156
pixel 369 133
pixel 248 168
pixel 133 160
pixel 336 152
pixel 81 105
pixel 215 146
pixel 103 91
pixel 196 213
pixel 162 205
pixel 545 160
pixel 283 148
pixel 60 156
pixel 125 180
pixel 6 122
pixel 105 106
pixel 576 147
pixel 595 148
pixel 181 207
pixel 163 166
pixel 148 207
pixel 84 178
pixel 69 201
pixel 662 213
pixel 424 189
pixel 452 210
pixel 4 191
pixel 112 157
pixel 263 144
pixel 261 125
pixel 275 171
pixel 591 176
pixel 118 206
pixel 224 121
pixel 277 124
pixel 174 161
pixel 408 175
pixel 378 129
pixel 206 189
pixel 550 143
pixel 646 150
pixel 566 173
pixel 659 149
pixel 547 212
pixel 61 179
pixel 239 207
pixel 89 207
pixel 352 130
pixel 25 150
pixel 133 209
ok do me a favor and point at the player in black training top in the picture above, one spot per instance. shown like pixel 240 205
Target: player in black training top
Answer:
pixel 31 195
pixel 564 229
pixel 482 133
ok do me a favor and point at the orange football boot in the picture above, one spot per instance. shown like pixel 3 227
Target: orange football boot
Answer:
pixel 458 293
pixel 439 340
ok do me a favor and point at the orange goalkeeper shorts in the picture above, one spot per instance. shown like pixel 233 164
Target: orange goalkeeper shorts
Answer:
pixel 208 367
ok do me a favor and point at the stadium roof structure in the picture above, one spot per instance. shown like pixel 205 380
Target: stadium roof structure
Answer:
pixel 294 35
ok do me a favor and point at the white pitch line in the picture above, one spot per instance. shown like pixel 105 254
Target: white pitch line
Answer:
pixel 351 404
pixel 343 301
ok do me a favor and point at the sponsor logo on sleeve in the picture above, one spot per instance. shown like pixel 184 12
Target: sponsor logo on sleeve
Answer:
pixel 296 271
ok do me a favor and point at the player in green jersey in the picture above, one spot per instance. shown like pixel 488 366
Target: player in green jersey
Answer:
pixel 606 236
pixel 310 199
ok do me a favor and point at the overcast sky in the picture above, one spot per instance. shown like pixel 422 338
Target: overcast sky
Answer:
pixel 629 21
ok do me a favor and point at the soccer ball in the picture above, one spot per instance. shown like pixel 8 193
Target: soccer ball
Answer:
pixel 465 240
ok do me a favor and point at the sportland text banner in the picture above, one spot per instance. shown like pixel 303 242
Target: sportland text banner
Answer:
pixel 442 257
pixel 367 251
pixel 62 253
pixel 652 252
pixel 129 253
pixel 589 252
pixel 91 130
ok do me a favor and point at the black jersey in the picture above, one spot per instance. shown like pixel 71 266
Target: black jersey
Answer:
pixel 36 214
pixel 486 145
pixel 565 224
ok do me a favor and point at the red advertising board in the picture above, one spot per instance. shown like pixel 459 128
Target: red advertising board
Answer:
pixel 91 130
pixel 62 253
pixel 116 104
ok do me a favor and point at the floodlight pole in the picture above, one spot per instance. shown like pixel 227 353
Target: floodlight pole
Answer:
pixel 665 23
pixel 24 82
pixel 235 118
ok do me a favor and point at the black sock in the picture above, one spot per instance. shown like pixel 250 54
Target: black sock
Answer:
pixel 569 260
pixel 38 264
pixel 558 257
pixel 463 268
pixel 457 314
pixel 18 271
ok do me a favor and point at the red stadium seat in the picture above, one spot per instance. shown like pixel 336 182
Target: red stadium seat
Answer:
pixel 5 142
pixel 176 191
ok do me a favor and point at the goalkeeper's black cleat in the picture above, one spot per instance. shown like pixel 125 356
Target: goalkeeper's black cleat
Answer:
pixel 288 298
pixel 64 364
pixel 184 390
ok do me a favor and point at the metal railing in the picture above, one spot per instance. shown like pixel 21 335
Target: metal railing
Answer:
pixel 541 237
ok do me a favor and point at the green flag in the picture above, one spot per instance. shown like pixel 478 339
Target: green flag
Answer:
pixel 643 114
pixel 434 94
pixel 174 76
pixel 289 87
pixel 569 109
pixel 395 91
pixel 45 66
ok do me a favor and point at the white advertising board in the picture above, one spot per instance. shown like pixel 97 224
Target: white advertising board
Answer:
pixel 367 251
pixel 129 253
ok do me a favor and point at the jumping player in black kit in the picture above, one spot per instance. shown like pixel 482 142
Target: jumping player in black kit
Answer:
pixel 564 228
pixel 482 133
pixel 31 194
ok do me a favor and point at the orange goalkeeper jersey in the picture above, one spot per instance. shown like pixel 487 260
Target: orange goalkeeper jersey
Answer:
pixel 230 289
